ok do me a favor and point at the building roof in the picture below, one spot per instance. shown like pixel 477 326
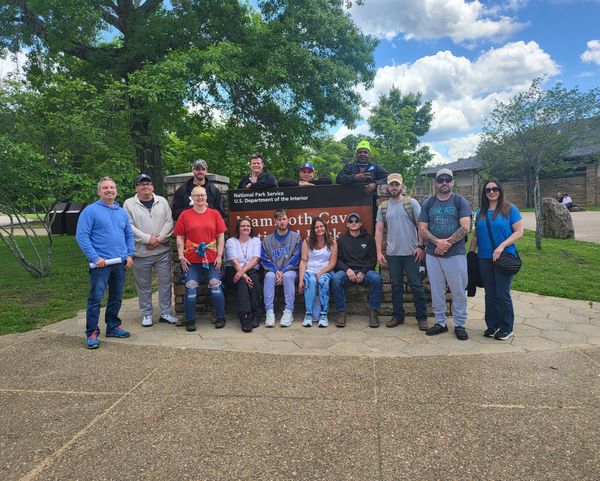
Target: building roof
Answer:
pixel 470 163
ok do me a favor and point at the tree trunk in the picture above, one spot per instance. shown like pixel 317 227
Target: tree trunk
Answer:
pixel 538 211
pixel 148 153
pixel 530 180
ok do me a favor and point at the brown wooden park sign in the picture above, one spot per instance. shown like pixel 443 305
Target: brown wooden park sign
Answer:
pixel 334 203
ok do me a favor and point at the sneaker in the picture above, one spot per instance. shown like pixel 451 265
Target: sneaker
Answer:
pixel 287 318
pixel 490 332
pixel 270 319
pixel 373 318
pixel 461 334
pixel 255 321
pixel 92 341
pixel 423 325
pixel 147 321
pixel 307 322
pixel 436 329
pixel 503 336
pixel 190 326
pixel 323 321
pixel 220 323
pixel 168 318
pixel 117 332
pixel 341 320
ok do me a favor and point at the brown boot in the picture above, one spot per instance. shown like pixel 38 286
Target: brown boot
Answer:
pixel 394 322
pixel 423 325
pixel 373 319
pixel 341 320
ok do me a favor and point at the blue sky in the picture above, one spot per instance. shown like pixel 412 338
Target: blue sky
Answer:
pixel 466 55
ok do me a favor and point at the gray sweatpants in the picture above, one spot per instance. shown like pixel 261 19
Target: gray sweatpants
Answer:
pixel 453 272
pixel 142 269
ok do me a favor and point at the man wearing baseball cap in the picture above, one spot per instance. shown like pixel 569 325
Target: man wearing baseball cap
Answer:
pixel 356 263
pixel 405 250
pixel 183 195
pixel 152 224
pixel 363 171
pixel 307 178
pixel 444 222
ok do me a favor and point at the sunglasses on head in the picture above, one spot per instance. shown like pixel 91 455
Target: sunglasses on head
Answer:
pixel 489 190
pixel 444 180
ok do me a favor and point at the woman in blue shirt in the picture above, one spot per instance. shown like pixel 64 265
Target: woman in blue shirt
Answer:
pixel 507 226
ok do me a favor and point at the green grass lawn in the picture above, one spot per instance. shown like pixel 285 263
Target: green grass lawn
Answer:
pixel 563 268
pixel 27 302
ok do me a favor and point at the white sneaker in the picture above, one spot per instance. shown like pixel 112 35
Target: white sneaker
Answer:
pixel 323 321
pixel 147 321
pixel 287 318
pixel 167 317
pixel 270 319
pixel 307 320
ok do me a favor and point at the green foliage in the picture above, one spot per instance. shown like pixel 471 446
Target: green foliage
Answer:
pixel 29 303
pixel 534 131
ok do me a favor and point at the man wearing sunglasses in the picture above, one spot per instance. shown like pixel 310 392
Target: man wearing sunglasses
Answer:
pixel 357 257
pixel 444 222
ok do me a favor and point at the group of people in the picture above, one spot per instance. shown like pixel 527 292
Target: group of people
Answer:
pixel 115 238
pixel 565 199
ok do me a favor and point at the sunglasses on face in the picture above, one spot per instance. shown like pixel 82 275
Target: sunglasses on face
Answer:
pixel 489 190
pixel 353 221
pixel 444 180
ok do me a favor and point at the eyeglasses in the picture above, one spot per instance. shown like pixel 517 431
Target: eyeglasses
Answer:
pixel 489 190
pixel 199 196
pixel 353 221
pixel 444 180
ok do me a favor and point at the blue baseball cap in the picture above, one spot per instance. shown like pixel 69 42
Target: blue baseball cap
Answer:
pixel 308 165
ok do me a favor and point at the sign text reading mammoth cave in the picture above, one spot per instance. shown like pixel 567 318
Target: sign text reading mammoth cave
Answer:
pixel 331 202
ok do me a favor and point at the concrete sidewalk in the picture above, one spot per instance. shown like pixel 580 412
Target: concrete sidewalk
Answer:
pixel 201 410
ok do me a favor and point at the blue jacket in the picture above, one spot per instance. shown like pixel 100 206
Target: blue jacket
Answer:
pixel 104 231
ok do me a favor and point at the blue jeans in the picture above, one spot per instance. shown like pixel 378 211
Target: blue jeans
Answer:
pixel 398 265
pixel 192 281
pixel 113 277
pixel 310 291
pixel 499 313
pixel 372 280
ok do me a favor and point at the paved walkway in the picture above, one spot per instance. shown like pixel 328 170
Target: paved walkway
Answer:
pixel 542 323
pixel 586 224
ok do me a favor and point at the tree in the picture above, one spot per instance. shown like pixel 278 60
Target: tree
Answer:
pixel 397 122
pixel 286 71
pixel 535 130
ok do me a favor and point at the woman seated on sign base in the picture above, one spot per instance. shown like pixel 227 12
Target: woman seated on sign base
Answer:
pixel 242 256
pixel 507 227
pixel 318 259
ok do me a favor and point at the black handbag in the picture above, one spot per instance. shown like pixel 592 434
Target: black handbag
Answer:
pixel 507 263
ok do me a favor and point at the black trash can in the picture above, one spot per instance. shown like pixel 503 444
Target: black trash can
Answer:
pixel 58 224
pixel 71 217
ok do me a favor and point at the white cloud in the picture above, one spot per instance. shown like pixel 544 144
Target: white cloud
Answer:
pixel 425 19
pixel 462 147
pixel 463 91
pixel 343 131
pixel 9 64
pixel 592 54
pixel 437 158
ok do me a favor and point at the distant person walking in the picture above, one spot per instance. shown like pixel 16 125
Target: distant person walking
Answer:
pixel 104 235
pixel 506 225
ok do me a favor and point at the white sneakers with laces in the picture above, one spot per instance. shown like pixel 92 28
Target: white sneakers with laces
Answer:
pixel 323 321
pixel 147 321
pixel 287 318
pixel 270 319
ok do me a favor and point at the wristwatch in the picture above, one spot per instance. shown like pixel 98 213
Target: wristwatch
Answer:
pixel 422 246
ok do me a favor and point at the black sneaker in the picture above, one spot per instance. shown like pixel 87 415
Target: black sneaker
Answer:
pixel 490 331
pixel 190 326
pixel 220 323
pixel 461 334
pixel 503 336
pixel 436 329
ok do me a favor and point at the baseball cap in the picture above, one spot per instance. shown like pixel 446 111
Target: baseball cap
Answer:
pixel 355 214
pixel 307 165
pixel 394 178
pixel 447 172
pixel 200 163
pixel 142 178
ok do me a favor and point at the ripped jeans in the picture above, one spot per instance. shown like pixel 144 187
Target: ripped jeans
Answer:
pixel 192 281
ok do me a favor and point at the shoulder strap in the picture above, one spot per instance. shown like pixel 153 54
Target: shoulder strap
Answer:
pixel 383 208
pixel 409 210
pixel 487 221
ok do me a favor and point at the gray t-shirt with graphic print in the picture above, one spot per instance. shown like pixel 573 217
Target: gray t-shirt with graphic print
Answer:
pixel 443 220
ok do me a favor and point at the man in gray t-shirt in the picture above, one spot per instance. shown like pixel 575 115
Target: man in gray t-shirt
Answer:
pixel 404 250
pixel 444 222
